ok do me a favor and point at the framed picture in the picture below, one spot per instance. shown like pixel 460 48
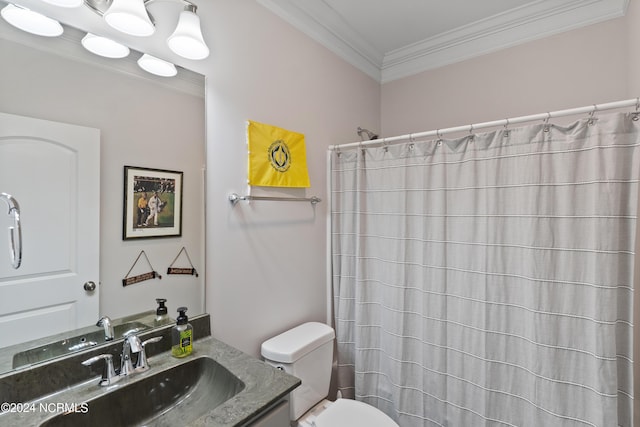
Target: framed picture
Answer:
pixel 152 203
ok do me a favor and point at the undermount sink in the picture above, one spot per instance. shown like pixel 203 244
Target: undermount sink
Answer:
pixel 72 344
pixel 197 386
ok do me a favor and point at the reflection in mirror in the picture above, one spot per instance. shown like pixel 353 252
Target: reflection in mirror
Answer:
pixel 44 349
pixel 141 120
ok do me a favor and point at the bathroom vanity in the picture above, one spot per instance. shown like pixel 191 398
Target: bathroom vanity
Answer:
pixel 217 386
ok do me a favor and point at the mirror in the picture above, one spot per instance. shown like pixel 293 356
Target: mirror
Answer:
pixel 145 121
pixel 25 355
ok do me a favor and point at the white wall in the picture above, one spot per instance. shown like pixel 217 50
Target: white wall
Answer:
pixel 266 260
pixel 142 124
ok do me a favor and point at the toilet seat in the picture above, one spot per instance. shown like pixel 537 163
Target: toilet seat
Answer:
pixel 349 413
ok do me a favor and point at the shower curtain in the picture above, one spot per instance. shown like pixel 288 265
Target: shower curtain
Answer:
pixel 488 280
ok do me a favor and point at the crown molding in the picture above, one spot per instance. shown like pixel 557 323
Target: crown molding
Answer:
pixel 324 25
pixel 520 25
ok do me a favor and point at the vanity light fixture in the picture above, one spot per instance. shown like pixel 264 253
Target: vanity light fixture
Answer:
pixel 65 3
pixel 131 17
pixel 127 16
pixel 104 46
pixel 30 21
pixel 187 40
pixel 157 66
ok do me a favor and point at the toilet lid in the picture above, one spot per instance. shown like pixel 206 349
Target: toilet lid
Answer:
pixel 349 413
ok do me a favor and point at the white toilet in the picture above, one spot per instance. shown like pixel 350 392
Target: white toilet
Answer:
pixel 306 352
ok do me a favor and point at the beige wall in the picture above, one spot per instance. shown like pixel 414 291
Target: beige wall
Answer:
pixel 581 67
pixel 141 124
pixel 266 260
pixel 633 47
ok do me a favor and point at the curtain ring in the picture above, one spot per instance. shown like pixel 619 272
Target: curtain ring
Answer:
pixel 592 116
pixel 636 115
pixel 439 140
pixel 471 135
pixel 507 132
pixel 337 150
pixel 411 144
pixel 546 122
pixel 385 146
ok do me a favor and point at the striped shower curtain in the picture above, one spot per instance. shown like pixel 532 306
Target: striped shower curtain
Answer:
pixel 488 280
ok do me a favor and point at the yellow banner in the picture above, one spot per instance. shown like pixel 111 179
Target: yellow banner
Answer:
pixel 277 157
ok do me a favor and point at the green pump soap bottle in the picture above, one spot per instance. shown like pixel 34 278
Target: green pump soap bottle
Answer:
pixel 182 335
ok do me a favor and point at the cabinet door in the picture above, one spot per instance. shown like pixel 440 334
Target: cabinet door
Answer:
pixel 278 416
pixel 53 171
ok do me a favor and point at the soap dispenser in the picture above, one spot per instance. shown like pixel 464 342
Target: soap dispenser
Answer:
pixel 162 317
pixel 182 335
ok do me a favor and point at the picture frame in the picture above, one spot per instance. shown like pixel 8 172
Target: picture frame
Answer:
pixel 160 213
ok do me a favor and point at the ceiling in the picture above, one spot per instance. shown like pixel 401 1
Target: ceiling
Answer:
pixel 392 39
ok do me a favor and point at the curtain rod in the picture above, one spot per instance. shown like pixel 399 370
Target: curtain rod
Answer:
pixel 592 109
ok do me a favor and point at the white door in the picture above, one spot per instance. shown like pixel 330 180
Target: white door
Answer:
pixel 53 171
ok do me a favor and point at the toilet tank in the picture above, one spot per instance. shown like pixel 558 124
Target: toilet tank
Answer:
pixel 306 352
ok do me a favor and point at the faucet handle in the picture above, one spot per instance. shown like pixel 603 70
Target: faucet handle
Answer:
pixel 142 364
pixel 109 373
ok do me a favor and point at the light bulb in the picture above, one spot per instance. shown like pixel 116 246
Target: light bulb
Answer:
pixel 187 40
pixel 104 47
pixel 130 17
pixel 157 66
pixel 30 21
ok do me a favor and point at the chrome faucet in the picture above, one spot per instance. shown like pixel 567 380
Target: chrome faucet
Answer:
pixel 131 345
pixel 105 322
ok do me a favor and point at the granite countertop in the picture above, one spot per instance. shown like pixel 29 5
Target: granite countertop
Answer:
pixel 264 386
